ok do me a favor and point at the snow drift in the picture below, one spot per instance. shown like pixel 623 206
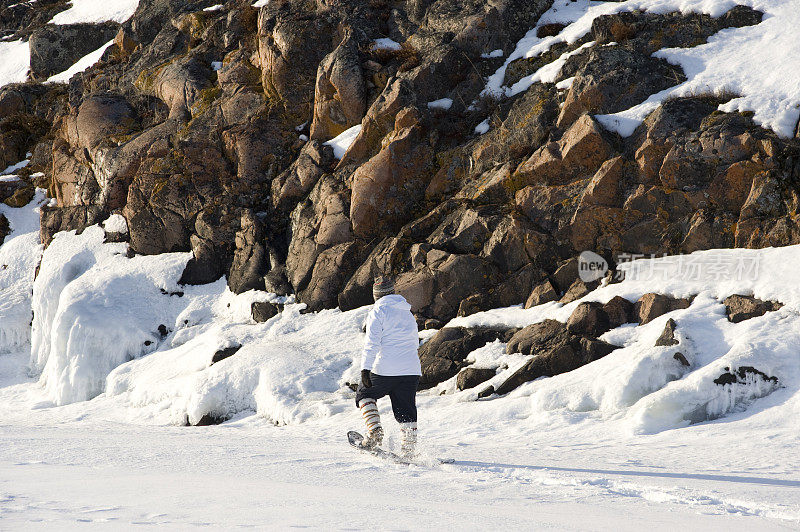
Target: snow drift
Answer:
pixel 122 327
pixel 94 309
pixel 19 255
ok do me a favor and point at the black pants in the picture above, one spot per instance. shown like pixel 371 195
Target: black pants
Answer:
pixel 401 389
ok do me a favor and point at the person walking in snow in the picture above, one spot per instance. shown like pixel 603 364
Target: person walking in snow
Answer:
pixel 390 366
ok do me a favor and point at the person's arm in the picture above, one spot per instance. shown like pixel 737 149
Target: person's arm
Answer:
pixel 372 344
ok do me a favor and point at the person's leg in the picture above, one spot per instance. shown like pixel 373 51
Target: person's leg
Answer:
pixel 404 407
pixel 367 402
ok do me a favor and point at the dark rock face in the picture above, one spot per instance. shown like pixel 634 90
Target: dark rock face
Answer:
pixel 443 355
pixel 471 377
pixel 577 290
pixel 250 261
pixel 72 218
pixel 739 308
pixel 56 48
pixel 206 129
pixel 528 338
pixel 4 228
pixel 607 68
pixel 209 419
pixel 681 358
pixel 541 294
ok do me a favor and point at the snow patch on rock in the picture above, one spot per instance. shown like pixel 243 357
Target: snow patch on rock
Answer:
pixel 80 65
pixel 15 62
pixel 343 141
pixel 116 223
pixel 94 11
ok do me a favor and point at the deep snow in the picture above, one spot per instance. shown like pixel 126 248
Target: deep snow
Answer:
pixel 19 255
pixel 620 436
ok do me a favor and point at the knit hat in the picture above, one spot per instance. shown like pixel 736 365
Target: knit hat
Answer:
pixel 383 286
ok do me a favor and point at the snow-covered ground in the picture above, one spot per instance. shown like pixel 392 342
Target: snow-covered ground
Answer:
pixel 607 445
pixel 95 392
pixel 86 464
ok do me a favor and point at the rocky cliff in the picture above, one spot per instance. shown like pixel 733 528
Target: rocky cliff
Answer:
pixel 207 128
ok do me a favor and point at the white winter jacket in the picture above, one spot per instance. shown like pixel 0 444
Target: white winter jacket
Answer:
pixel 392 338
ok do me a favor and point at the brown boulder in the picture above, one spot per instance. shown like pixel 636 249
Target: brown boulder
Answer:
pixel 183 85
pixel 526 340
pixel 604 188
pixel 739 308
pixel 471 377
pixel 317 224
pixel 417 287
pixel 510 292
pixel 77 218
pixel 379 121
pixel 261 311
pixel 297 180
pixel 213 244
pixel 98 118
pixel 554 351
pixel 12 102
pixel 541 294
pixel 56 47
pixel 250 261
pixel 463 231
pixel 652 305
pixel 514 242
pixel 332 268
pixel 577 290
pixel 169 190
pixel 588 319
pixel 649 157
pixel 615 78
pixel 565 274
pixel 443 355
pixel 384 257
pixel 619 311
pixel 21 197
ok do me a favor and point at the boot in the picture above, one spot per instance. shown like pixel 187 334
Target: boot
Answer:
pixel 369 411
pixel 408 446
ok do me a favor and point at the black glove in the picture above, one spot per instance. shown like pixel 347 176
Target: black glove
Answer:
pixel 365 379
